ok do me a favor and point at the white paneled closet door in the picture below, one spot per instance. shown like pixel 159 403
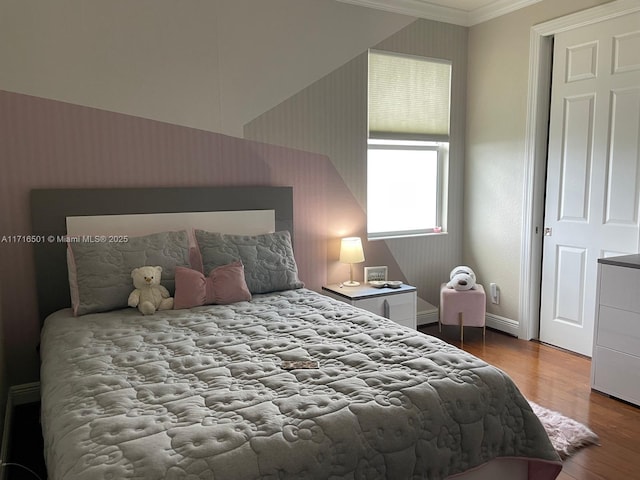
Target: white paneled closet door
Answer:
pixel 593 174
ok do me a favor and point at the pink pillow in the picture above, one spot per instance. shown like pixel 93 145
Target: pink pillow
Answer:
pixel 224 285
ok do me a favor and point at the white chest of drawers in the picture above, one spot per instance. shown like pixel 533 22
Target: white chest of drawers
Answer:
pixel 397 304
pixel 615 365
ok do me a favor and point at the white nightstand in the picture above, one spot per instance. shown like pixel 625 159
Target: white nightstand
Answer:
pixel 397 304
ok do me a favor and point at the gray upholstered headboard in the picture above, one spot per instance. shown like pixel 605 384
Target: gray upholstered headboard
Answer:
pixel 51 207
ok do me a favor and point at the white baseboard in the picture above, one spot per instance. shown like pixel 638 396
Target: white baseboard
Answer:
pixel 427 317
pixel 18 395
pixel 503 324
pixel 427 313
pixel 25 393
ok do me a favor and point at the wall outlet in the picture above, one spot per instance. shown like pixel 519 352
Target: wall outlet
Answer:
pixel 494 293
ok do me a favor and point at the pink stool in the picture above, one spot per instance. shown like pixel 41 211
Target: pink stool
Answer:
pixel 464 308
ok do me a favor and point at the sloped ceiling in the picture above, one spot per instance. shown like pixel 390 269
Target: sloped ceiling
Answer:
pixel 458 12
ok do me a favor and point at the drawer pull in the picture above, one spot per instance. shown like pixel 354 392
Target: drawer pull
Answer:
pixel 385 309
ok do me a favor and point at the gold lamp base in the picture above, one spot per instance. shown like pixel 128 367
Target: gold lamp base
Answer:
pixel 351 282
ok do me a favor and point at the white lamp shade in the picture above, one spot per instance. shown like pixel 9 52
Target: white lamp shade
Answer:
pixel 351 250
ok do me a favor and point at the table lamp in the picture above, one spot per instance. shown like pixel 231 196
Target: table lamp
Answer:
pixel 351 252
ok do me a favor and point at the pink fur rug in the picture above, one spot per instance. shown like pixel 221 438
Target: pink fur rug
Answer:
pixel 566 435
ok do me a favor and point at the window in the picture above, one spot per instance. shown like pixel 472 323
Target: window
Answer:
pixel 402 175
pixel 408 144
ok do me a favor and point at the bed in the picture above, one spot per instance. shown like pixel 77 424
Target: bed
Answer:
pixel 204 391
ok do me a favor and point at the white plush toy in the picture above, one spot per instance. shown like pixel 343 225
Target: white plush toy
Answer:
pixel 149 295
pixel 462 278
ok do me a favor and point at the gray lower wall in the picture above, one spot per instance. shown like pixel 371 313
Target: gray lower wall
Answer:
pixel 330 117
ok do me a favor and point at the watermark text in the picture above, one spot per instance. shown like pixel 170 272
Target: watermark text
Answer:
pixel 64 238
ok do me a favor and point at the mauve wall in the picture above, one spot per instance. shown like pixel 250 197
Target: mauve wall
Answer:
pixel 51 144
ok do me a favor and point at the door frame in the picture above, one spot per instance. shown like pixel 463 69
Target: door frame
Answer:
pixel 538 100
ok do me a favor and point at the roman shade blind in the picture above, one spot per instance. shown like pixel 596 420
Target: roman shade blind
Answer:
pixel 408 96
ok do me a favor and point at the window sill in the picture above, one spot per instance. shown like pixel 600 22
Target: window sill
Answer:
pixel 409 235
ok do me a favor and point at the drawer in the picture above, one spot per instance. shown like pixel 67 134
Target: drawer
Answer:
pixel 618 330
pixel 400 308
pixel 617 374
pixel 619 287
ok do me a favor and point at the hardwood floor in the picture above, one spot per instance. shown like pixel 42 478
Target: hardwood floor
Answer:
pixel 560 381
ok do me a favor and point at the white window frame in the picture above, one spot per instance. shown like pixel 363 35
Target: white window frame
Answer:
pixel 442 150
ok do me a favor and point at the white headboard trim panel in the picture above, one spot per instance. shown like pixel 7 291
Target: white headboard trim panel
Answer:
pixel 242 222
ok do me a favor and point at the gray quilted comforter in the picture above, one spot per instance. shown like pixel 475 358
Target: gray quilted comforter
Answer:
pixel 200 394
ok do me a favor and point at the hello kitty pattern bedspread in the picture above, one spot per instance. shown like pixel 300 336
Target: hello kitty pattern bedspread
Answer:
pixel 200 394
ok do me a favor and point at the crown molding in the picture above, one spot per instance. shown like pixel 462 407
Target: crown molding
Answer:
pixel 432 11
pixel 415 8
pixel 497 9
